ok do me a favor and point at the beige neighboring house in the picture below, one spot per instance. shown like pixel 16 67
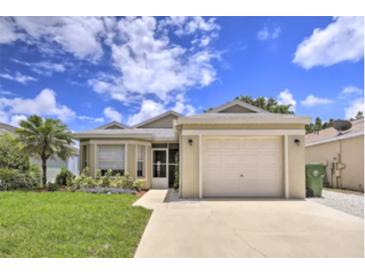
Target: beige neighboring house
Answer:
pixel 343 154
pixel 234 150
pixel 53 165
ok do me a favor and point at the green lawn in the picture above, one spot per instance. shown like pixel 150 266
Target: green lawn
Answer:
pixel 66 224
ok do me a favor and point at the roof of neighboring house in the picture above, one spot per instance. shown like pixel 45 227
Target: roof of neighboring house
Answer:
pixel 331 134
pixel 152 134
pixel 246 118
pixel 6 127
pixel 113 125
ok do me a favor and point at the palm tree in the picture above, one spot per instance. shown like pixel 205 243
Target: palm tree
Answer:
pixel 45 138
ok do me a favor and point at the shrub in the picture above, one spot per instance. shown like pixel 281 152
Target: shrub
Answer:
pixel 107 179
pixel 12 155
pixel 53 187
pixel 11 179
pixel 82 181
pixel 138 184
pixel 127 181
pixel 64 177
pixel 16 171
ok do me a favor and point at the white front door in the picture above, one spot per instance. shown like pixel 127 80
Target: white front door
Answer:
pixel 159 168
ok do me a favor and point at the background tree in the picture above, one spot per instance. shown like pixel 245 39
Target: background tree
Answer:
pixel 359 115
pixel 269 104
pixel 45 138
pixel 16 170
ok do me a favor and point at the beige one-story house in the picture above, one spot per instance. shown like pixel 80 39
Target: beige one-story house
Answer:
pixel 234 150
pixel 342 153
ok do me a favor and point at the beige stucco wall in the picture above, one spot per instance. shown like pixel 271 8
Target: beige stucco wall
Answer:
pixel 351 152
pixel 323 153
pixel 353 157
pixel 131 156
pixel 296 160
pixel 148 168
pixel 190 167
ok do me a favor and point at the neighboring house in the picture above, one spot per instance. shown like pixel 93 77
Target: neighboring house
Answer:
pixel 53 165
pixel 342 153
pixel 234 150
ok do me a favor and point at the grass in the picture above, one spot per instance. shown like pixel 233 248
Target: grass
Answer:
pixel 66 224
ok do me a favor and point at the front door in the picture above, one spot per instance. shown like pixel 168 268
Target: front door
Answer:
pixel 159 168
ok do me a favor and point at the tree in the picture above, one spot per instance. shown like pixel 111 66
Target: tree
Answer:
pixel 318 124
pixel 16 170
pixel 269 104
pixel 45 138
pixel 359 115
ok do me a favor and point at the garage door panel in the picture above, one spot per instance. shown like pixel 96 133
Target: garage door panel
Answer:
pixel 243 167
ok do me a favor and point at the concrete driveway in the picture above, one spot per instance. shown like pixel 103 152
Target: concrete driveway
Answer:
pixel 247 228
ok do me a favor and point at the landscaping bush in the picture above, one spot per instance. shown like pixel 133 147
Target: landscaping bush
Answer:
pixel 138 184
pixel 16 171
pixel 11 179
pixel 106 183
pixel 64 177
pixel 12 155
pixel 53 187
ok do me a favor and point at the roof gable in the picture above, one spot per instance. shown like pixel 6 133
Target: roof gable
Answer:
pixel 236 106
pixel 164 120
pixel 113 125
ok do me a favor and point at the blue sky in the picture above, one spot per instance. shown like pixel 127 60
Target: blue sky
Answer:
pixel 88 71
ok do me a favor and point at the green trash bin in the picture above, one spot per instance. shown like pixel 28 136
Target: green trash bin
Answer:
pixel 314 177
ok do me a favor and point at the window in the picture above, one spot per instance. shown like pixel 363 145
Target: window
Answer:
pixel 84 156
pixel 141 155
pixel 111 157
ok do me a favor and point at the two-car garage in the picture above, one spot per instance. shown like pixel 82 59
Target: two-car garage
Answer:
pixel 250 166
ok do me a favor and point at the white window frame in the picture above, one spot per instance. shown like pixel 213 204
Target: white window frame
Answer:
pixel 144 161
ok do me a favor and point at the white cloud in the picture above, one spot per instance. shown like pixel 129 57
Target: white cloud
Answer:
pixel 351 90
pixel 189 25
pixel 285 97
pixel 342 40
pixel 354 107
pixel 18 77
pixel 80 36
pixel 150 64
pixel 267 33
pixel 312 100
pixel 91 119
pixel 149 109
pixel 7 93
pixel 43 104
pixel 15 119
pixel 182 107
pixel 112 114
pixel 43 67
pixel 8 32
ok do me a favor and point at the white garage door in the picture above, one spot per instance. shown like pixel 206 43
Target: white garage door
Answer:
pixel 243 167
